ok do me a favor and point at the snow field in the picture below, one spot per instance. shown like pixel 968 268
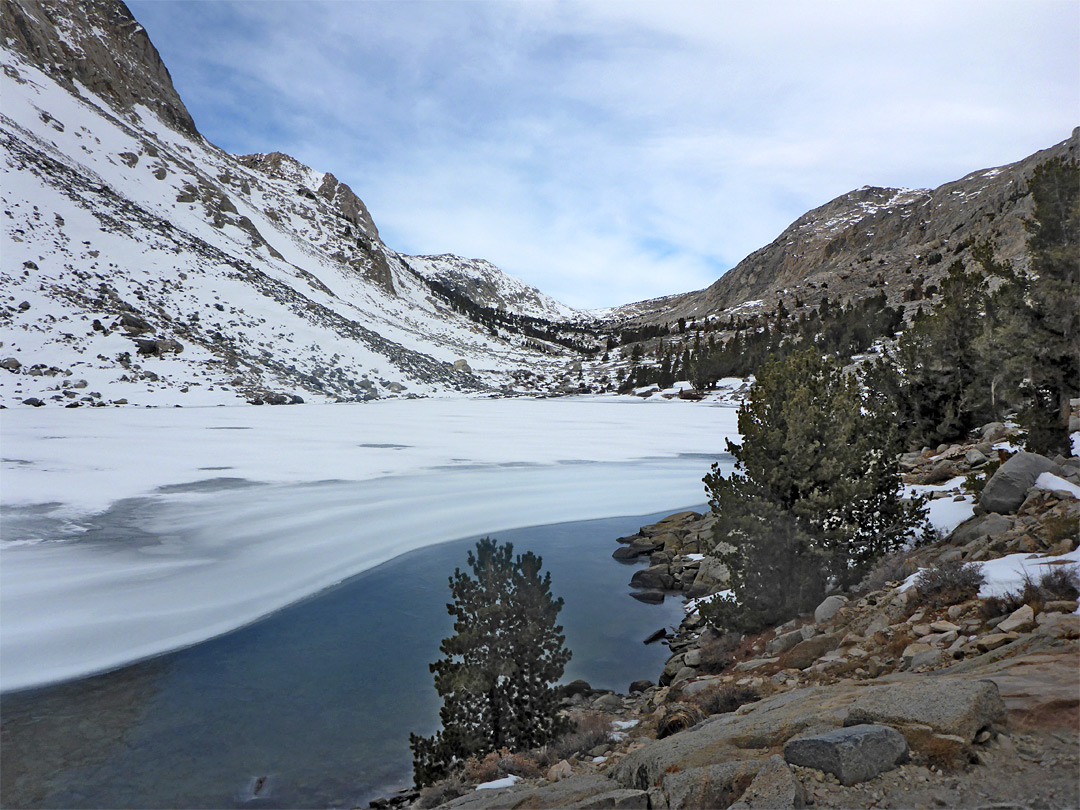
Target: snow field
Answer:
pixel 265 506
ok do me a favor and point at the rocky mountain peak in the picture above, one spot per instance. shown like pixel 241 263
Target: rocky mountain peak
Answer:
pixel 309 183
pixel 872 239
pixel 97 44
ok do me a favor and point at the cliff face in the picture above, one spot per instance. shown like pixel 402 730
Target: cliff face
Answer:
pixel 875 239
pixel 97 44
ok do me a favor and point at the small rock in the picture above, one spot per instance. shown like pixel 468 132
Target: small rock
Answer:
pixel 755 663
pixel 10 363
pixel 560 770
pixel 1019 621
pixel 641 685
pixel 944 627
pixel 1009 485
pixel 940 472
pixel 926 658
pixel 774 788
pixel 829 608
pixel 684 674
pixel 1059 625
pixel 807 652
pixel 656 635
pixel 609 703
pixel 912 650
pixel 34 401
pixel 995 640
pixel 784 642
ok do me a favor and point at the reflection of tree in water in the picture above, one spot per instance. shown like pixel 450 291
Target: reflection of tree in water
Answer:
pixel 47 734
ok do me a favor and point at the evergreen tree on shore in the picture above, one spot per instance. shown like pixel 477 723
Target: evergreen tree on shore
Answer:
pixel 815 497
pixel 498 668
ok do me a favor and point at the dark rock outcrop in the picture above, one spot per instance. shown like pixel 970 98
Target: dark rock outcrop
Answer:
pixel 99 44
pixel 852 754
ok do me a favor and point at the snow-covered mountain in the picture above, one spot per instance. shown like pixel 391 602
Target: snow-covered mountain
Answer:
pixel 143 264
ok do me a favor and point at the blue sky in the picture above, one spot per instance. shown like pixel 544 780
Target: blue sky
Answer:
pixel 609 152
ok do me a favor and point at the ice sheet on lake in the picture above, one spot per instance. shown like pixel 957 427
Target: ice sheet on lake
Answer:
pixel 184 532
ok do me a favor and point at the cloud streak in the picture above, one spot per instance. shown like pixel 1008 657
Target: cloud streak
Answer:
pixel 609 152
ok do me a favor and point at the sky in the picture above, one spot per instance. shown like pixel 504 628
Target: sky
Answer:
pixel 610 152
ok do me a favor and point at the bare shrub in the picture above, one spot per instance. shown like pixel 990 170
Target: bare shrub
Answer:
pixel 486 769
pixel 945 754
pixel 948 583
pixel 678 717
pixel 1060 582
pixel 717 654
pixel 442 792
pixel 898 643
pixel 1064 527
pixel 723 699
pixel 591 729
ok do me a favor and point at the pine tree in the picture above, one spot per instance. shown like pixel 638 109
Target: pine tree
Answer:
pixel 1051 318
pixel 498 668
pixel 815 498
pixel 945 386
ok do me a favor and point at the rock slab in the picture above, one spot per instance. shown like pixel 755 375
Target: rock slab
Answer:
pixel 852 754
pixel 948 705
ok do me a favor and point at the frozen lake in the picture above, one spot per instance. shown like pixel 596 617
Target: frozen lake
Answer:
pixel 127 533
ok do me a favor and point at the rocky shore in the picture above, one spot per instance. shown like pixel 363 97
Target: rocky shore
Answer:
pixel 894 695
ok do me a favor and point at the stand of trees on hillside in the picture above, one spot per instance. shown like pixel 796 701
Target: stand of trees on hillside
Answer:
pixel 999 342
pixel 814 500
pixel 842 330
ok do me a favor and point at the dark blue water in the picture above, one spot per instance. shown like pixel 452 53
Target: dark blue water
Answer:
pixel 317 699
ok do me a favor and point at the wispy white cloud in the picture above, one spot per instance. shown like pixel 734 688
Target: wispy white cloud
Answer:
pixel 609 152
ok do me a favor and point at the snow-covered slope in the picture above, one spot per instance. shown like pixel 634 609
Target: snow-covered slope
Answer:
pixel 141 259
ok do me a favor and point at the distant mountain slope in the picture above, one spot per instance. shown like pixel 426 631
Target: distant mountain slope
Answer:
pixel 873 239
pixel 489 286
pixel 141 259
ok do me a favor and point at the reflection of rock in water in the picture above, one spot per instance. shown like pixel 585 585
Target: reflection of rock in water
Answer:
pixel 46 733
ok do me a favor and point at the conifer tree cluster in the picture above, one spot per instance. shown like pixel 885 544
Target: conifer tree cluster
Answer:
pixel 497 672
pixel 703 359
pixel 815 497
pixel 999 341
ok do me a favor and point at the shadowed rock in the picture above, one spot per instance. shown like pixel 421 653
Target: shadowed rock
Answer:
pixel 852 754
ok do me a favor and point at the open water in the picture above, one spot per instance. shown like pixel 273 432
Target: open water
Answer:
pixel 314 703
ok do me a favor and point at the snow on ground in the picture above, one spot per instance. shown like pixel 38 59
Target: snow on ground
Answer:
pixel 129 532
pixel 495 784
pixel 1055 483
pixel 944 514
pixel 1006 574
